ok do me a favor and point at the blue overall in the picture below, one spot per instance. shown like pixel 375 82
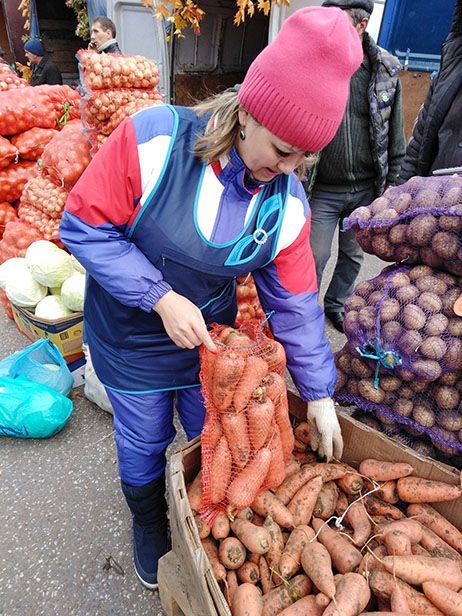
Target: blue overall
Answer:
pixel 166 232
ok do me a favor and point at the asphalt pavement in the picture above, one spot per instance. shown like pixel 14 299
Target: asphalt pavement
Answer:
pixel 65 530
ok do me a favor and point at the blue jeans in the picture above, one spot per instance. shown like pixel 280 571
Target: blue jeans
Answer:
pixel 329 210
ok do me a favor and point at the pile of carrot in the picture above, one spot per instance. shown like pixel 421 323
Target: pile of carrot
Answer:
pixel 248 304
pixel 247 437
pixel 332 540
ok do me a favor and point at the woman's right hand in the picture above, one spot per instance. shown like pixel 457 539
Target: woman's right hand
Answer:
pixel 183 321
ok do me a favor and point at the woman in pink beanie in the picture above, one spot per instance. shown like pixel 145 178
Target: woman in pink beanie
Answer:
pixel 177 204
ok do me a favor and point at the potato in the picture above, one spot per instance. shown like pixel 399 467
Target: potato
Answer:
pixel 422 448
pixel 436 324
pixel 403 407
pixel 421 229
pixel 343 362
pixel 407 293
pixel 360 368
pixel 390 331
pixel 419 272
pixel 390 383
pixel 367 317
pixel 445 244
pixel 431 284
pixel 382 248
pixel 427 369
pixel 426 198
pixel 407 253
pixel 455 327
pixel 423 415
pixel 400 279
pixel 364 239
pixel 452 197
pixel 361 214
pixel 419 386
pixel 415 183
pixel 406 392
pixel 442 440
pixel 448 299
pixel 354 302
pixel 341 380
pixel 375 297
pixel 350 323
pixel 453 357
pixel 366 390
pixel 379 205
pixel 446 397
pixel 449 279
pixel 450 378
pixel 405 374
pixel 397 234
pixel 364 288
pixel 389 310
pixel 390 397
pixel 450 223
pixel 385 419
pixel 450 420
pixel 402 203
pixel 429 302
pixel 429 256
pixel 352 386
pixel 433 347
pixel 413 317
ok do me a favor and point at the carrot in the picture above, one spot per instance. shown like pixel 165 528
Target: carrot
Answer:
pixel 448 601
pixel 317 564
pixel 266 503
pixel 351 483
pixel 306 606
pixel 411 528
pixel 302 504
pixel 273 353
pixel 255 538
pixel 194 492
pixel 420 490
pixel 244 488
pixel 265 575
pixel 225 332
pixel 238 339
pixel 306 457
pixel 418 550
pixel 247 601
pixel 371 560
pixel 416 570
pixel 260 414
pixel 302 432
pixel 383 584
pixel 211 434
pixel 351 597
pixel 220 526
pixel 342 503
pixel 211 551
pixel 230 586
pixel 276 471
pixel 345 557
pixel 235 430
pixel 221 471
pixel 275 386
pixel 281 415
pixel 378 470
pixel 398 601
pixel 203 528
pixel 376 506
pixel 292 467
pixel 294 482
pixel 436 546
pixel 326 501
pixel 397 543
pixel 273 556
pixel 283 596
pixel 299 447
pixel 290 561
pixel 248 572
pixel 387 491
pixel 229 367
pixel 231 553
pixel 357 518
pixel 255 370
pixel 433 520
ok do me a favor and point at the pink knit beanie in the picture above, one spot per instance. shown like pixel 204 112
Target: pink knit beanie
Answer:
pixel 297 87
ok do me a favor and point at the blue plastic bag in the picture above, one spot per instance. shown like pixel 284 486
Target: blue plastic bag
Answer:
pixel 40 362
pixel 31 410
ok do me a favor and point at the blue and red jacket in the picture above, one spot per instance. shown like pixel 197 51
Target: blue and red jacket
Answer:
pixel 147 216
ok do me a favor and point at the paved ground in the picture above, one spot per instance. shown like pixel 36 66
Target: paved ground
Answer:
pixel 65 546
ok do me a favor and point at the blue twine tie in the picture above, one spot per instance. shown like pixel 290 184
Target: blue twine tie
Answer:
pixel 387 359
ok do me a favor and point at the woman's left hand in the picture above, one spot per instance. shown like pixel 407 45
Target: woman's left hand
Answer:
pixel 326 436
pixel 183 321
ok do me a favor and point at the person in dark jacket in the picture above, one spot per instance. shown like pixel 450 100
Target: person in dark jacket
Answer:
pixel 436 141
pixel 360 162
pixel 103 36
pixel 44 71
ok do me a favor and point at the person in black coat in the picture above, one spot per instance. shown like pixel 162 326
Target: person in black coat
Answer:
pixel 436 141
pixel 44 71
pixel 103 36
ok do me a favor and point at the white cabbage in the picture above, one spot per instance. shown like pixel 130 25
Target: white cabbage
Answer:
pixel 48 264
pixel 24 291
pixel 51 308
pixel 55 290
pixel 11 268
pixel 73 292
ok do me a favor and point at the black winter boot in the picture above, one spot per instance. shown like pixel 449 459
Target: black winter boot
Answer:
pixel 150 527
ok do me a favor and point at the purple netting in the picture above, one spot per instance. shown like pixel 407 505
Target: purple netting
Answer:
pixel 417 222
pixel 421 410
pixel 403 321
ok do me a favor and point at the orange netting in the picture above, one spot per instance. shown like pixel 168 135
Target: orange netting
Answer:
pixel 247 436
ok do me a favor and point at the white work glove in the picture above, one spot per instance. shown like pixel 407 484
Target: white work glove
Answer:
pixel 326 436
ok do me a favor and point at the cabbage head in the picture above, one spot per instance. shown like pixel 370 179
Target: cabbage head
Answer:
pixel 24 291
pixel 11 268
pixel 48 264
pixel 51 308
pixel 73 292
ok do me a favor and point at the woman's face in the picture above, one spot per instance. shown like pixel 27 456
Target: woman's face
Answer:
pixel 264 154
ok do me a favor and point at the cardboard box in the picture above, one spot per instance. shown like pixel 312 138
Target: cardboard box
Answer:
pixel 66 332
pixel 196 590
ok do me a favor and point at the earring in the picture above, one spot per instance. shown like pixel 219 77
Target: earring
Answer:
pixel 242 134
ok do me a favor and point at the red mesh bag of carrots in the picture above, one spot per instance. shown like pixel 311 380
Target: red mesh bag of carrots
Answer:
pixel 32 142
pixel 67 155
pixel 248 303
pixel 247 436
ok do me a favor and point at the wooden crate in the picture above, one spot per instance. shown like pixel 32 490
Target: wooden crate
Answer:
pixel 198 594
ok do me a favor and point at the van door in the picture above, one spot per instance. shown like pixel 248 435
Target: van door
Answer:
pixel 139 32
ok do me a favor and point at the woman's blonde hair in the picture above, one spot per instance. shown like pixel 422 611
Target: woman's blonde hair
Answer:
pixel 222 128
